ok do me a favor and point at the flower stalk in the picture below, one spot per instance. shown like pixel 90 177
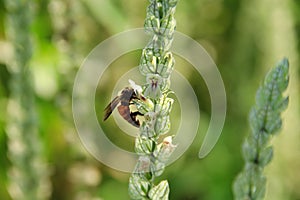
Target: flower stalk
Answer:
pixel 265 122
pixel 28 178
pixel 156 65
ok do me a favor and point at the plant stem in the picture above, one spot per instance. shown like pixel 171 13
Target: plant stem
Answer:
pixel 156 65
pixel 28 177
pixel 265 121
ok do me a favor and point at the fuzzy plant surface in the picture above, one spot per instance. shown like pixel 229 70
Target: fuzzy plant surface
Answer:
pixel 265 122
pixel 156 66
pixel 28 177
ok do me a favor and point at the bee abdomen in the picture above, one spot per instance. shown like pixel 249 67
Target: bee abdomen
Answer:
pixel 126 114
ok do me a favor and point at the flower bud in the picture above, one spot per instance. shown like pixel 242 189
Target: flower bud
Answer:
pixel 146 65
pixel 165 67
pixel 144 145
pixel 147 130
pixel 157 168
pixel 138 187
pixel 161 191
pixel 162 125
pixel 165 106
pixel 143 165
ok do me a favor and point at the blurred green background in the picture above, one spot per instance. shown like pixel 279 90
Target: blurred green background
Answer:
pixel 245 39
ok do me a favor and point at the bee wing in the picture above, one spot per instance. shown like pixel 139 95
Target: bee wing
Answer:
pixel 110 107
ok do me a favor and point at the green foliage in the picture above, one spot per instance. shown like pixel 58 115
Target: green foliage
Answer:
pixel 160 191
pixel 237 35
pixel 265 121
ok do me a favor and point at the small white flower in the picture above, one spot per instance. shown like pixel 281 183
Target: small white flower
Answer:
pixel 168 140
pixel 153 89
pixel 137 88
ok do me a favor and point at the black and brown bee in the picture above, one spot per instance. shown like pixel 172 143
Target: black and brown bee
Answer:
pixel 124 102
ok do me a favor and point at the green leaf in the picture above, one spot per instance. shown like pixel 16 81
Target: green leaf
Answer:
pixel 240 188
pixel 160 192
pixel 157 168
pixel 144 145
pixel 249 150
pixel 282 71
pixel 283 104
pixel 273 123
pixel 172 3
pixel 256 120
pixel 138 187
pixel 259 189
pixel 166 106
pixel 265 156
pixel 262 140
pixel 162 125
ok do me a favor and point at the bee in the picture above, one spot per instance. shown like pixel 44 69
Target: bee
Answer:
pixel 123 102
